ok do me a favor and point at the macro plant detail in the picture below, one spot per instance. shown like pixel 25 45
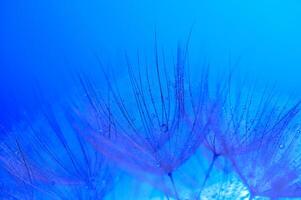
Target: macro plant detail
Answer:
pixel 177 129
pixel 259 135
pixel 150 100
pixel 38 156
pixel 184 138
pixel 271 169
pixel 162 128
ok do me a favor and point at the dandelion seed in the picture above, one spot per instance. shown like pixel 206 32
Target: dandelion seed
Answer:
pixel 270 169
pixel 140 147
pixel 39 156
pixel 253 130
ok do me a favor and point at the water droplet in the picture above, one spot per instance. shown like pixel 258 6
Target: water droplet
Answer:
pixel 92 180
pixel 281 146
pixel 164 128
pixel 298 131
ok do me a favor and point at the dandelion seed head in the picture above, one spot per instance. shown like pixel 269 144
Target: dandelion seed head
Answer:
pixel 232 189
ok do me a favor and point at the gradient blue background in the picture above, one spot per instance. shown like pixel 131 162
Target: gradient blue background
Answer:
pixel 42 38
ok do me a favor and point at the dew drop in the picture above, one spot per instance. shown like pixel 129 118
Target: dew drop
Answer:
pixel 281 146
pixel 164 128
pixel 17 153
pixel 92 180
